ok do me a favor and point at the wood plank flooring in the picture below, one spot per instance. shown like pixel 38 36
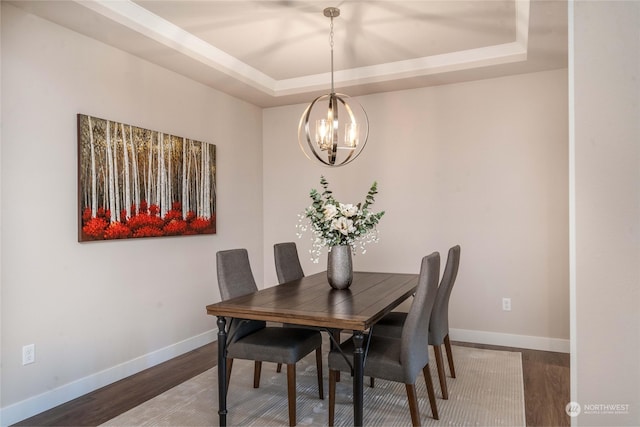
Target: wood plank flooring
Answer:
pixel 546 385
pixel 546 389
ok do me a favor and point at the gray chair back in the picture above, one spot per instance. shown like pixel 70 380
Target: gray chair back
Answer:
pixel 235 279
pixel 288 266
pixel 414 340
pixel 439 323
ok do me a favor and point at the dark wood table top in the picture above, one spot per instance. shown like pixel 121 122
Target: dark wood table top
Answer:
pixel 311 301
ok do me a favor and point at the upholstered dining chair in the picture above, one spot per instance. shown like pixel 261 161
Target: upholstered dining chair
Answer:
pixel 399 360
pixel 288 266
pixel 254 340
pixel 391 324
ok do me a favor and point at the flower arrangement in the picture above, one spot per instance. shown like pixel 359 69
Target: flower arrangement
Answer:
pixel 333 223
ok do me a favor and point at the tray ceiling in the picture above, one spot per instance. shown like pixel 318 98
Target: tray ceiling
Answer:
pixel 277 52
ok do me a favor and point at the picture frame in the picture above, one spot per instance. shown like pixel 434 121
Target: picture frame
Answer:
pixel 138 183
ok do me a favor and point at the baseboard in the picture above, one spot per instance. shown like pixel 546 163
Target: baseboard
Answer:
pixel 50 399
pixel 510 340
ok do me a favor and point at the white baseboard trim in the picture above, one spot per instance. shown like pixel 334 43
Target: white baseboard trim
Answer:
pixel 510 340
pixel 50 399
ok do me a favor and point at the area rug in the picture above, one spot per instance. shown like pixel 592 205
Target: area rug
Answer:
pixel 488 391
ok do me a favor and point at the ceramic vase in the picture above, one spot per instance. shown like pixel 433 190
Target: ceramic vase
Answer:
pixel 340 267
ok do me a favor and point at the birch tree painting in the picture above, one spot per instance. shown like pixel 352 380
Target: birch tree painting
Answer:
pixel 136 182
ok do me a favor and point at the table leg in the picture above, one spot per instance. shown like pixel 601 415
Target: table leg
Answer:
pixel 358 377
pixel 222 370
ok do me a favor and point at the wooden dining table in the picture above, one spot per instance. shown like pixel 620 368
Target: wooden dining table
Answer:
pixel 310 301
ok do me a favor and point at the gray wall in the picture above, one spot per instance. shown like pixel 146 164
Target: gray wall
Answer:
pixel 606 214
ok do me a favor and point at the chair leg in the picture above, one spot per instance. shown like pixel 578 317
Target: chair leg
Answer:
pixel 332 396
pixel 413 404
pixel 437 350
pixel 319 370
pixel 291 393
pixel 229 367
pixel 372 382
pixel 447 347
pixel 279 368
pixel 257 370
pixel 430 392
pixel 336 337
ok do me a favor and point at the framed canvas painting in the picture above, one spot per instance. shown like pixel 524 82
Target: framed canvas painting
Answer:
pixel 135 182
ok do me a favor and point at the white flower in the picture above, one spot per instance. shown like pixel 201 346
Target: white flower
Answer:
pixel 333 223
pixel 348 210
pixel 330 211
pixel 343 225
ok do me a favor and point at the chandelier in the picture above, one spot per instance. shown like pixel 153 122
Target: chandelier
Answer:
pixel 340 128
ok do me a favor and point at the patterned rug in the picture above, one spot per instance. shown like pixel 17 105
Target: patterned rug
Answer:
pixel 488 391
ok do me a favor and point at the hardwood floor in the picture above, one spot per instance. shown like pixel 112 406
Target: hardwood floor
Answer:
pixel 546 385
pixel 546 389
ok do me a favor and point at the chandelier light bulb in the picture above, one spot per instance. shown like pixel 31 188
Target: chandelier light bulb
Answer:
pixel 323 132
pixel 351 135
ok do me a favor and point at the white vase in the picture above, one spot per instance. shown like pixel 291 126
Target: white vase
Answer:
pixel 340 267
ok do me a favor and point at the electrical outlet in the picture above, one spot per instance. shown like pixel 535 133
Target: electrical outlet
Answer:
pixel 506 304
pixel 28 354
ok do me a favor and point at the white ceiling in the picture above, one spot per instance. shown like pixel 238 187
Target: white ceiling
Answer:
pixel 276 52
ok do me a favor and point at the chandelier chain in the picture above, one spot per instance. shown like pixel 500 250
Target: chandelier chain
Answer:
pixel 331 45
pixel 331 34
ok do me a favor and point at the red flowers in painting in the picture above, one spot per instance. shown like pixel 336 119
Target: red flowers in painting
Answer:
pixel 95 227
pixel 144 220
pixel 175 227
pixel 147 231
pixel 200 224
pixel 117 230
pixel 145 223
